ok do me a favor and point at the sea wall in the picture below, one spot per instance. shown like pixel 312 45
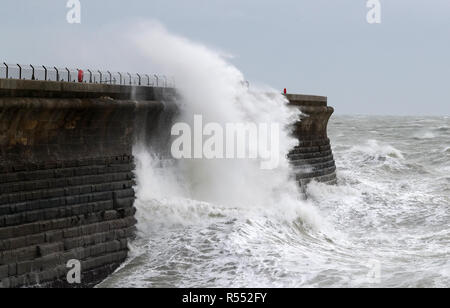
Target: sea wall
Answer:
pixel 67 172
pixel 312 159
pixel 66 177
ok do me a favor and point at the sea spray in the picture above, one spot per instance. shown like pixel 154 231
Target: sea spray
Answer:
pixel 208 85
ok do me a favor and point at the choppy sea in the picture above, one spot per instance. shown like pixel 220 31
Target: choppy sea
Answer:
pixel 386 223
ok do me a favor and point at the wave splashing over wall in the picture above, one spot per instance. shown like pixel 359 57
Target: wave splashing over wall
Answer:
pixel 217 223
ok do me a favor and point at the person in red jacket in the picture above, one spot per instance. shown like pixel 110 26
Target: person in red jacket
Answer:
pixel 80 75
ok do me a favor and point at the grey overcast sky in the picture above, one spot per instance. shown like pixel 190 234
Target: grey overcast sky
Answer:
pixel 323 47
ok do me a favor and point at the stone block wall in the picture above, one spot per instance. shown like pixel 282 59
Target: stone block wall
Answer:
pixel 66 172
pixel 312 159
pixel 51 213
pixel 66 178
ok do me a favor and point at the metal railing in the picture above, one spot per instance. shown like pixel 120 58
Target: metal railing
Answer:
pixel 64 74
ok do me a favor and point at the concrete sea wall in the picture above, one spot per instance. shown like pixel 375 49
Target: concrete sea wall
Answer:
pixel 66 178
pixel 312 159
pixel 66 172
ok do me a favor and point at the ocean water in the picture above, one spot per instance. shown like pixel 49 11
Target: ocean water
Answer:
pixel 385 224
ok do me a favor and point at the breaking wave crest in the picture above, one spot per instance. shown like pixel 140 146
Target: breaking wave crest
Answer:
pixel 376 151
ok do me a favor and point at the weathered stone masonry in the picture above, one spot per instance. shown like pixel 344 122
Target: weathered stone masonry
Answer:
pixel 66 172
pixel 312 159
pixel 66 178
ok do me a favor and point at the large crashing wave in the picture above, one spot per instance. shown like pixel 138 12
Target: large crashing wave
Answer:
pixel 210 86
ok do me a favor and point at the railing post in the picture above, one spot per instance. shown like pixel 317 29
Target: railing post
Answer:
pixel 57 73
pixel 32 74
pixel 7 69
pixel 111 77
pixel 139 76
pixel 20 71
pixel 45 72
pixel 90 76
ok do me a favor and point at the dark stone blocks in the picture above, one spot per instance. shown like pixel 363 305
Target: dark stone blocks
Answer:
pixel 312 159
pixel 51 213
pixel 66 176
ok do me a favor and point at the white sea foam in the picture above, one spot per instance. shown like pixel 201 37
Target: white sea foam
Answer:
pixel 188 190
pixel 377 150
pixel 424 135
